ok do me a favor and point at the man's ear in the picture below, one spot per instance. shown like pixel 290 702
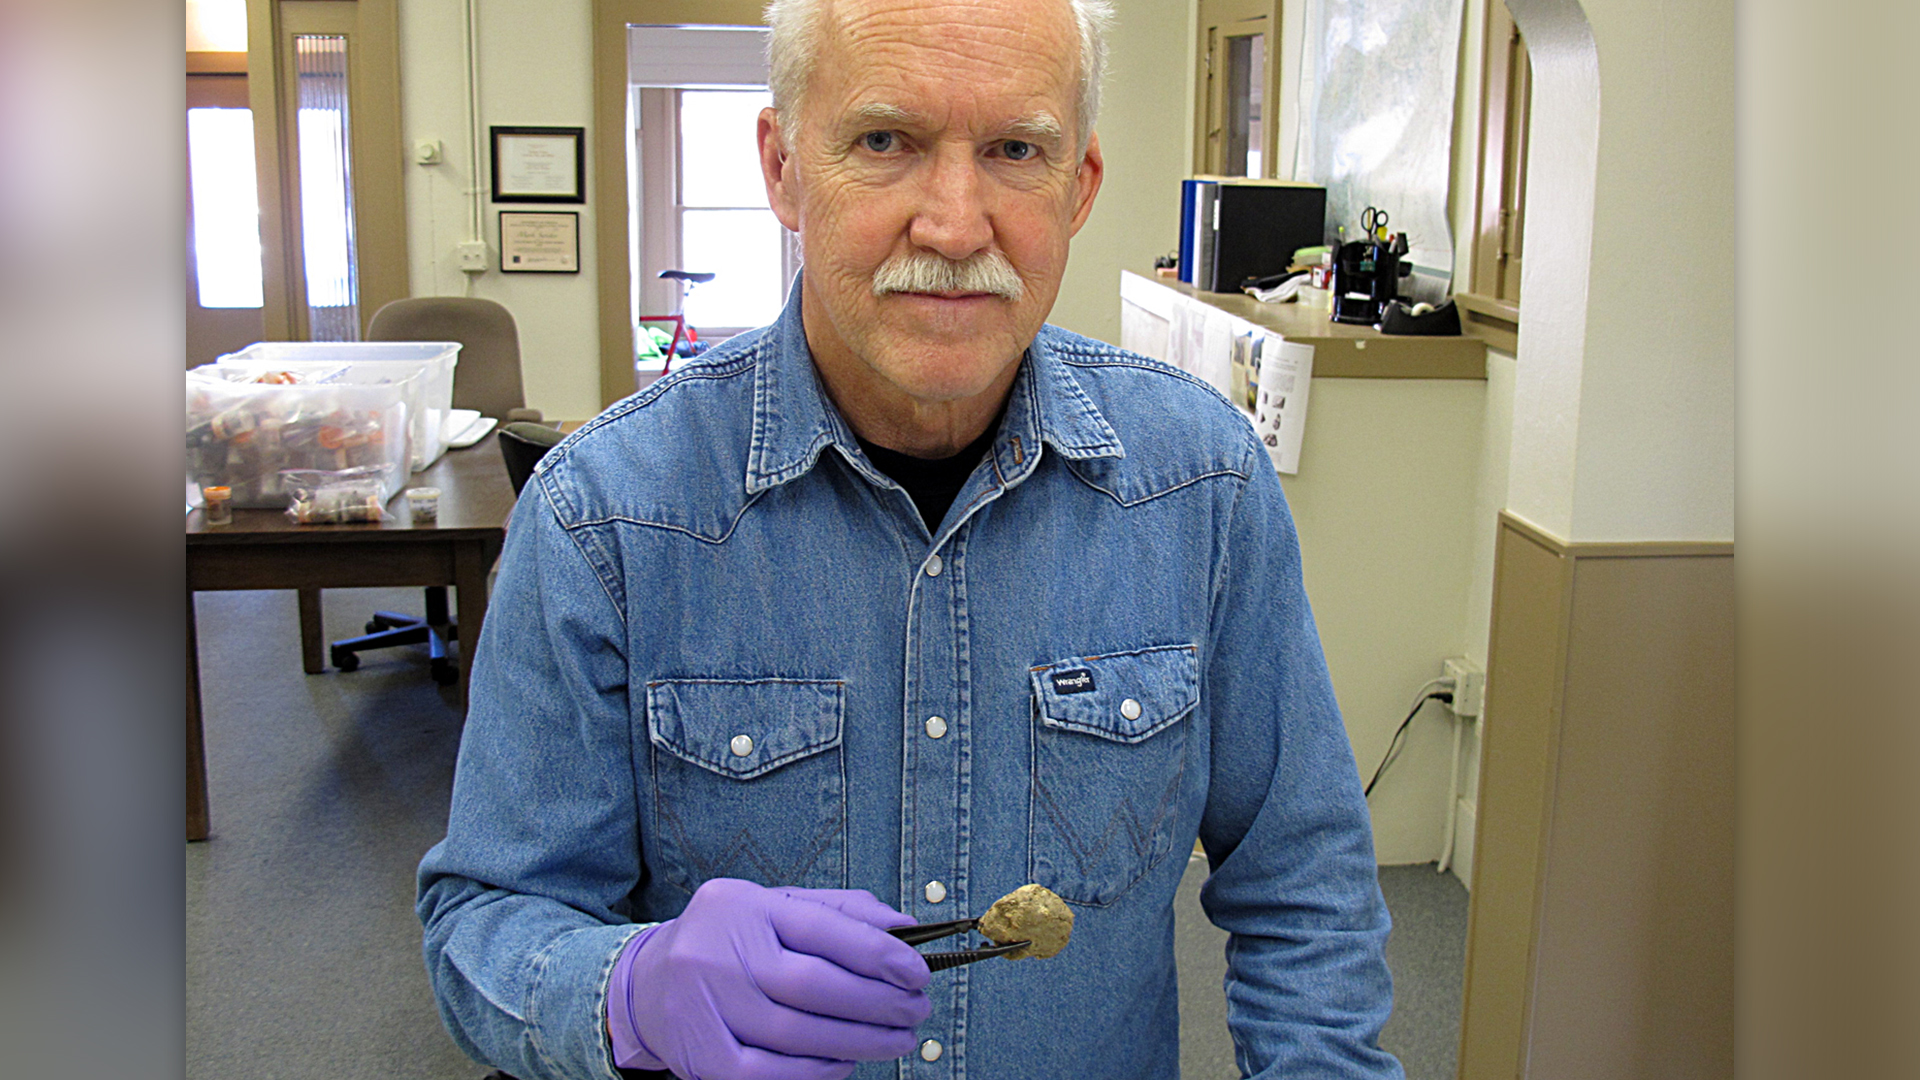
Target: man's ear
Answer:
pixel 1087 183
pixel 776 168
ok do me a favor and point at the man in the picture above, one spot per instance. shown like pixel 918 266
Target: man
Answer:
pixel 905 598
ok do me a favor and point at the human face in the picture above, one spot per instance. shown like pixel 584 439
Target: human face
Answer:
pixel 948 130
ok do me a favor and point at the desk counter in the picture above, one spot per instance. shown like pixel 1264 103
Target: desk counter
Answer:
pixel 1340 350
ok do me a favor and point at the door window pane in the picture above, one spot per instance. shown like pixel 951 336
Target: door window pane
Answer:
pixel 326 188
pixel 719 159
pixel 1246 82
pixel 743 248
pixel 226 207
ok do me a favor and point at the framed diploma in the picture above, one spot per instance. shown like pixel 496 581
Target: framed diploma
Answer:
pixel 539 164
pixel 539 243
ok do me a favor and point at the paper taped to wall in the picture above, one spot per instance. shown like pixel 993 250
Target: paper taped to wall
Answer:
pixel 1280 409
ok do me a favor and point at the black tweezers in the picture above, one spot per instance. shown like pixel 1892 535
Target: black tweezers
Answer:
pixel 940 961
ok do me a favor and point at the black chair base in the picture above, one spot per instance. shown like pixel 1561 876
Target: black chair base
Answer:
pixel 388 629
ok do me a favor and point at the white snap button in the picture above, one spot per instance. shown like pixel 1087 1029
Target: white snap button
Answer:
pixel 934 566
pixel 936 893
pixel 931 1050
pixel 936 727
pixel 742 745
pixel 1130 709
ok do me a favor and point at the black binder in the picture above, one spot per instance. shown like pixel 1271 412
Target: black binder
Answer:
pixel 1255 227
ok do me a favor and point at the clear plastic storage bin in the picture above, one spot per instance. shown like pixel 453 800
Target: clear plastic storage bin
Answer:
pixel 424 368
pixel 316 405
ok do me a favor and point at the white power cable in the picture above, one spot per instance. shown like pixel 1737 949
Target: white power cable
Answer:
pixel 1444 682
pixel 1453 800
pixel 476 223
pixel 474 187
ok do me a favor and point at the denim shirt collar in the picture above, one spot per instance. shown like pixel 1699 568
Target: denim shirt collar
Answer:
pixel 793 421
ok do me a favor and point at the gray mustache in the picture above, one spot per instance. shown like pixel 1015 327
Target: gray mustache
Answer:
pixel 927 272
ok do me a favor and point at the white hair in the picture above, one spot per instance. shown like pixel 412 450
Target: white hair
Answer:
pixel 922 271
pixel 796 34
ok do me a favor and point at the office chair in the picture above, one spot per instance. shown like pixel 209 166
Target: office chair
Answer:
pixel 486 379
pixel 523 445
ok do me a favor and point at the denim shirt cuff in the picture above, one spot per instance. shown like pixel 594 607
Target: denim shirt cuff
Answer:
pixel 568 1013
pixel 629 1050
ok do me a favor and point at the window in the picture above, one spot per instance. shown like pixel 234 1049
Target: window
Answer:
pixel 700 205
pixel 226 207
pixel 725 225
pixel 1233 93
pixel 1491 303
pixel 322 128
pixel 324 90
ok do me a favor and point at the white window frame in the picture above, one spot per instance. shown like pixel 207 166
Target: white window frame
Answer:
pixel 660 207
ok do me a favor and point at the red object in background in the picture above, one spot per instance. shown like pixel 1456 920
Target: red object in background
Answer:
pixel 680 329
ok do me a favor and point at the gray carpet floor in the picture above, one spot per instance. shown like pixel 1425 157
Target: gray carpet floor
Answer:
pixel 303 954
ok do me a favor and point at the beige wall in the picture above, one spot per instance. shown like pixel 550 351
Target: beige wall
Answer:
pixel 1623 421
pixel 1489 498
pixel 1614 421
pixel 1601 940
pixel 1601 935
pixel 1829 947
pixel 1384 503
pixel 1143 114
pixel 535 69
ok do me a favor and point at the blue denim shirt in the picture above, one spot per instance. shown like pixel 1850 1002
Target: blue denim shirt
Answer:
pixel 1109 624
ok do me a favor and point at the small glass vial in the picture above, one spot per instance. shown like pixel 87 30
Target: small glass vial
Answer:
pixel 424 503
pixel 216 507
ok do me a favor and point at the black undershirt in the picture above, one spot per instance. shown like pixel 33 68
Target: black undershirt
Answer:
pixel 932 483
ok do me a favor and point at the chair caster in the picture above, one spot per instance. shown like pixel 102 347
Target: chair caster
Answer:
pixel 444 672
pixel 345 661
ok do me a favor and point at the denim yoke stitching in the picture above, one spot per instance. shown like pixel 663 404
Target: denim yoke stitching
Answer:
pixel 584 531
pixel 600 561
pixel 1127 823
pixel 742 848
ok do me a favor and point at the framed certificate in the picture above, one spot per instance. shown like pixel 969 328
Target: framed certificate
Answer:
pixel 539 242
pixel 539 164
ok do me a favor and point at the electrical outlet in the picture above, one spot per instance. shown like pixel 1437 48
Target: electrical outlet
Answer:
pixel 1469 686
pixel 473 256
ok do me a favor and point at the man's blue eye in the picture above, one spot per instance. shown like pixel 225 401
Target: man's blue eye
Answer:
pixel 878 141
pixel 1016 150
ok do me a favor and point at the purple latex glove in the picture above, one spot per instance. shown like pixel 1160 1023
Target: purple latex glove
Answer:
pixel 751 983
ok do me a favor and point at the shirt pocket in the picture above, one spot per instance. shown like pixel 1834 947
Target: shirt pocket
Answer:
pixel 749 781
pixel 1109 756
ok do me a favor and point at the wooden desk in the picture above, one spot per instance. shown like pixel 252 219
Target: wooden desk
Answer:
pixel 262 549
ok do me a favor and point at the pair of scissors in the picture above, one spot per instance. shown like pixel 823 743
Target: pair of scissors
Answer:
pixel 940 961
pixel 1374 221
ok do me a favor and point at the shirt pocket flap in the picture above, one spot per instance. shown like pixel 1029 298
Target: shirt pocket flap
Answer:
pixel 741 729
pixel 1126 697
